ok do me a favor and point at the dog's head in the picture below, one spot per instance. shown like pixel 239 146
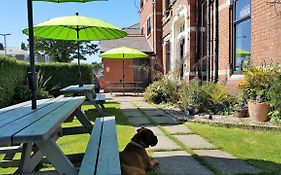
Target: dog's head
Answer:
pixel 145 137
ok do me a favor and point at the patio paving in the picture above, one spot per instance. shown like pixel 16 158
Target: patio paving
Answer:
pixel 174 129
pixel 226 163
pixel 194 141
pixel 179 163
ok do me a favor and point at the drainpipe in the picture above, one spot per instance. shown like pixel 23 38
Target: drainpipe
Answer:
pixel 197 43
pixel 216 40
pixel 154 26
pixel 208 41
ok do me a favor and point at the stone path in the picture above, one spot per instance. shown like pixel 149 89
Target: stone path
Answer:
pixel 173 158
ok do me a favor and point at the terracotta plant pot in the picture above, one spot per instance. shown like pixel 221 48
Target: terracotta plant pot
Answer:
pixel 258 111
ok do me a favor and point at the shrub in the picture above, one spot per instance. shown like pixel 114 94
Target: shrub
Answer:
pixel 208 97
pixel 274 96
pixel 63 75
pixel 192 94
pixel 12 75
pixel 162 91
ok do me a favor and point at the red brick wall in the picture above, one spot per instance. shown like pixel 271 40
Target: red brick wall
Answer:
pixel 266 32
pixel 113 70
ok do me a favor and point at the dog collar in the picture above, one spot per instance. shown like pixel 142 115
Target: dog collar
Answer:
pixel 137 144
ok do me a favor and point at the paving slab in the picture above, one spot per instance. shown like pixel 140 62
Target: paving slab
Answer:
pixel 164 120
pixel 165 143
pixel 144 104
pixel 154 129
pixel 173 129
pixel 194 141
pixel 133 113
pixel 226 163
pixel 156 112
pixel 139 121
pixel 179 163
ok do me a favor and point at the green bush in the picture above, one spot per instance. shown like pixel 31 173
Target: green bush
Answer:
pixel 64 74
pixel 12 75
pixel 162 91
pixel 193 94
pixel 208 97
pixel 274 96
pixel 54 76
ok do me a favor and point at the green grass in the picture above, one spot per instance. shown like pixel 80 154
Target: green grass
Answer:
pixel 78 143
pixel 260 148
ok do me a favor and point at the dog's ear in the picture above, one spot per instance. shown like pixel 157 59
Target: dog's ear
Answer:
pixel 148 137
pixel 138 130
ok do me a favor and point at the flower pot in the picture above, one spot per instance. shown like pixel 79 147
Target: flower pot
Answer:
pixel 241 113
pixel 258 111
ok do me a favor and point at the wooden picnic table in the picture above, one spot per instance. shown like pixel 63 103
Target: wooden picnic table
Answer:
pixel 37 130
pixel 87 90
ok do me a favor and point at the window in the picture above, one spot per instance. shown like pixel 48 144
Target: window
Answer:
pixel 148 27
pixel 242 34
pixel 168 55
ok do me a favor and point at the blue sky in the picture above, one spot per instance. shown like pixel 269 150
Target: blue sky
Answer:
pixel 120 13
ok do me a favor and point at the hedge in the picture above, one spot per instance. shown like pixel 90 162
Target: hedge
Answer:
pixel 64 74
pixel 13 74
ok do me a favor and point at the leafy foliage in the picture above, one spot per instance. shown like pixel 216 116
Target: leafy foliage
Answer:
pixel 12 74
pixel 209 97
pixel 161 91
pixel 96 65
pixel 1 46
pixel 64 51
pixel 274 96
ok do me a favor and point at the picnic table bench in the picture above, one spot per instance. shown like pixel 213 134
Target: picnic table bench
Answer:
pixel 88 91
pixel 133 86
pixel 34 134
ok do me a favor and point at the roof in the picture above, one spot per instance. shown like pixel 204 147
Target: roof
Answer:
pixel 15 51
pixel 134 40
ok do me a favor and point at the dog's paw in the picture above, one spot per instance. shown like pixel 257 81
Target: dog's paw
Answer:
pixel 153 163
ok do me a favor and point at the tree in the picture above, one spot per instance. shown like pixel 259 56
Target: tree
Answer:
pixel 1 46
pixel 64 51
pixel 97 65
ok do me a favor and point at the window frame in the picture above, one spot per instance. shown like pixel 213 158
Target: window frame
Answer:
pixel 234 26
pixel 148 27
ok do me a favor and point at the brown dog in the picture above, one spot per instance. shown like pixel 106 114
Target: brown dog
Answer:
pixel 134 159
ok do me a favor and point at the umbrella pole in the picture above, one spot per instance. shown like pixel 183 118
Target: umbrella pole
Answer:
pixel 32 78
pixel 79 70
pixel 123 75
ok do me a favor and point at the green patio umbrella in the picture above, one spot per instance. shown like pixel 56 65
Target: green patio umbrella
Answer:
pixel 123 53
pixel 31 76
pixel 241 52
pixel 76 28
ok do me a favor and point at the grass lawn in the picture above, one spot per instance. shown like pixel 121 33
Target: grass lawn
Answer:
pixel 78 143
pixel 260 148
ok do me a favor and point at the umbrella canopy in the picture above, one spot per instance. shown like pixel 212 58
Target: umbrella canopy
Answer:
pixel 76 28
pixel 123 53
pixel 31 74
pixel 241 52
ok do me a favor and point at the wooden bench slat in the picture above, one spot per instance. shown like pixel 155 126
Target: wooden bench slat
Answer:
pixel 88 165
pixel 9 108
pixel 7 131
pixel 19 111
pixel 108 162
pixel 43 128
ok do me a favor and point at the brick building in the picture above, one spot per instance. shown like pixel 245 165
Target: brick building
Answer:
pixel 212 39
pixel 113 69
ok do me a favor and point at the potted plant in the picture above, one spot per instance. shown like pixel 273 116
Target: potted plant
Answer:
pixel 258 80
pixel 241 108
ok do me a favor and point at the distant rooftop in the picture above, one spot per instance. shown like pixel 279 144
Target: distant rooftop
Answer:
pixel 134 39
pixel 15 51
